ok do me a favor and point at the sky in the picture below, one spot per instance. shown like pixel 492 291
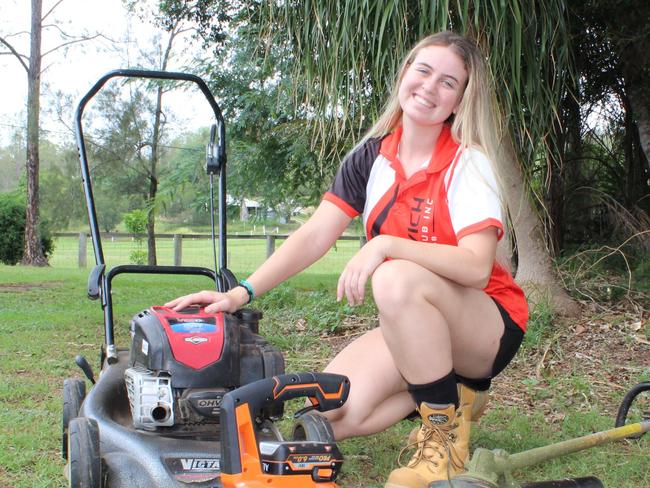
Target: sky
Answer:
pixel 74 71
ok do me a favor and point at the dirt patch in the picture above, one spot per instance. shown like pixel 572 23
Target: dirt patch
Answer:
pixel 20 287
pixel 593 360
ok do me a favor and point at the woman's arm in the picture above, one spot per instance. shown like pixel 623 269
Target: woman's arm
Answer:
pixel 468 264
pixel 302 248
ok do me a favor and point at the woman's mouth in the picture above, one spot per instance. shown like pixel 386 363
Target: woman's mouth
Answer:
pixel 423 101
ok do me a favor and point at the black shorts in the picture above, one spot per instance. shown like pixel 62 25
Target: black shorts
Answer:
pixel 508 347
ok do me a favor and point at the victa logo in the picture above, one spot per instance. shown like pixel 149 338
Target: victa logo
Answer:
pixel 208 464
pixel 196 340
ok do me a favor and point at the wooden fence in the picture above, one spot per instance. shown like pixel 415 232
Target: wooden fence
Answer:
pixel 271 240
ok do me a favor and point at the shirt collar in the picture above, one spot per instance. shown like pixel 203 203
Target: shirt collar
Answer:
pixel 443 153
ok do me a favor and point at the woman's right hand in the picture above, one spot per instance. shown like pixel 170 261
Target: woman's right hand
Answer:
pixel 213 301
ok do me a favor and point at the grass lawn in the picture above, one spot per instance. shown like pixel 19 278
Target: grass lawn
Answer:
pixel 567 380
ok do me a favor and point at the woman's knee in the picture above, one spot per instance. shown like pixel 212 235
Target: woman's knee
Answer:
pixel 398 283
pixel 391 285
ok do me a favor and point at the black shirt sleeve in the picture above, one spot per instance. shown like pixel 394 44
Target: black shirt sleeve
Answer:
pixel 352 177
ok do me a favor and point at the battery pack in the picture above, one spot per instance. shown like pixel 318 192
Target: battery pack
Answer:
pixel 321 460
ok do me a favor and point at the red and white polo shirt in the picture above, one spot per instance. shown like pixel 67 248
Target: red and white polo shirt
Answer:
pixel 453 195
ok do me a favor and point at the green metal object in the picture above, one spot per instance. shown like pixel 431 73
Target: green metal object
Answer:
pixel 493 469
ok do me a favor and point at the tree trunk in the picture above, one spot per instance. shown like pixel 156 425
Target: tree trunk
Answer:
pixel 640 104
pixel 555 193
pixel 33 252
pixel 563 164
pixel 243 210
pixel 535 272
pixel 155 156
pixel 151 222
pixel 153 183
pixel 631 47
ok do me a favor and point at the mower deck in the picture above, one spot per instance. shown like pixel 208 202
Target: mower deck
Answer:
pixel 140 458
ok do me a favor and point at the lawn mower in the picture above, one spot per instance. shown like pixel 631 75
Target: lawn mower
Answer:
pixel 193 400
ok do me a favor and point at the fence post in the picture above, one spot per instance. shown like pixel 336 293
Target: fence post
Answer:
pixel 270 245
pixel 178 249
pixel 82 250
pixel 362 241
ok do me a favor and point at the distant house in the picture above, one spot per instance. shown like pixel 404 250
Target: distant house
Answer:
pixel 252 208
pixel 247 208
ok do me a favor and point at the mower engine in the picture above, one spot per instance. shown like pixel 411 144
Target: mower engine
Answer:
pixel 183 363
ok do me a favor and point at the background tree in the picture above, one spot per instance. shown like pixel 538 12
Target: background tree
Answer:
pixel 33 252
pixel 597 174
pixel 12 161
pixel 615 35
pixel 61 193
pixel 118 134
pixel 272 157
pixel 159 61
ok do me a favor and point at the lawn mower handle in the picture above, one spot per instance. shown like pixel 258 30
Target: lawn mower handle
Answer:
pixel 240 407
pixel 218 163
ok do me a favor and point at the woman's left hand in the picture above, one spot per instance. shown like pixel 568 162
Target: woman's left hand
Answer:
pixel 352 281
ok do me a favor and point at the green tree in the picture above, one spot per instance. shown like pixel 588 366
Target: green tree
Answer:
pixel 271 155
pixel 12 161
pixel 118 135
pixel 596 179
pixel 12 223
pixel 33 253
pixel 342 56
pixel 136 222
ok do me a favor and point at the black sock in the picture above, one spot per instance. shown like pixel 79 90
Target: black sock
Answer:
pixel 482 384
pixel 441 391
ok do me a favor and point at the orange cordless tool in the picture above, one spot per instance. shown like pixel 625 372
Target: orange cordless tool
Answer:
pixel 248 463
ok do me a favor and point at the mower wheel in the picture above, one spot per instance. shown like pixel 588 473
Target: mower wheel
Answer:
pixel 268 431
pixel 83 451
pixel 314 427
pixel 74 392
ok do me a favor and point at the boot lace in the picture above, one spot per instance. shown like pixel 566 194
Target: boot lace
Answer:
pixel 431 444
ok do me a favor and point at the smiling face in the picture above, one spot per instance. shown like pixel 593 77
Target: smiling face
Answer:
pixel 432 86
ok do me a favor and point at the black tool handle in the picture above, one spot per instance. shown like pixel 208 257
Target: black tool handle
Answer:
pixel 623 409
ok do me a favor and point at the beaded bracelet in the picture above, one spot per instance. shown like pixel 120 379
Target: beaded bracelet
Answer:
pixel 249 289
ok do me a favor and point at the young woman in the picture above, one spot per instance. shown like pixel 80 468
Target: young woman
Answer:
pixel 450 316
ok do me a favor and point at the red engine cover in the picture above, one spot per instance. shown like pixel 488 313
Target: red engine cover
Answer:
pixel 195 337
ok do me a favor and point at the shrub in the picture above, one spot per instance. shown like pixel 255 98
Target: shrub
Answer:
pixel 12 223
pixel 136 223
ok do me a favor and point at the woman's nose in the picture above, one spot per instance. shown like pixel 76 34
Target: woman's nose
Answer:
pixel 429 84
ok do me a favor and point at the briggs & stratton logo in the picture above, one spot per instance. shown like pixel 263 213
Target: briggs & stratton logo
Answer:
pixel 196 340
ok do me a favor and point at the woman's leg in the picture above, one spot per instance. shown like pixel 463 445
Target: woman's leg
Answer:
pixel 431 324
pixel 378 396
pixel 428 326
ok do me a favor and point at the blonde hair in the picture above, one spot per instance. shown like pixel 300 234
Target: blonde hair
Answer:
pixel 475 123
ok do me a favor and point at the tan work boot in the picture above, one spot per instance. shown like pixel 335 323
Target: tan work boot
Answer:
pixel 477 400
pixel 442 447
